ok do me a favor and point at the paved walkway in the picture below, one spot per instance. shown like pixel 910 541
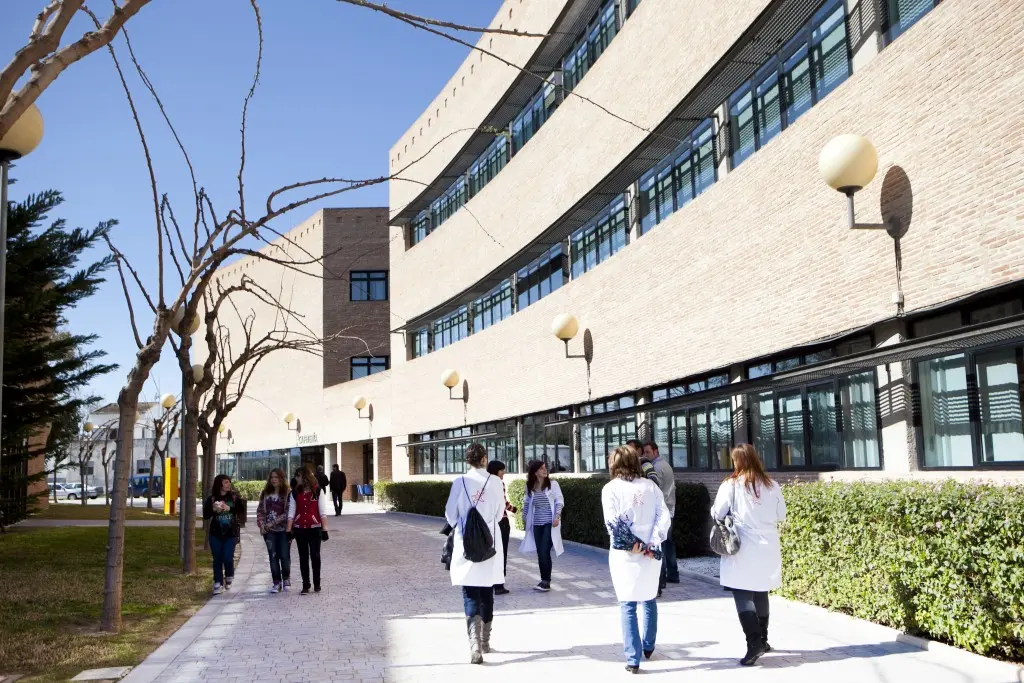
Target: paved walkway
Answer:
pixel 389 614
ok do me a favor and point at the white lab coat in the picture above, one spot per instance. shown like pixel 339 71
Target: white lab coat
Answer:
pixel 555 499
pixel 634 576
pixel 758 564
pixel 491 507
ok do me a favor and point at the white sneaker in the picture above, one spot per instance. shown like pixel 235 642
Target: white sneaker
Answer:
pixel 276 588
pixel 286 586
pixel 217 589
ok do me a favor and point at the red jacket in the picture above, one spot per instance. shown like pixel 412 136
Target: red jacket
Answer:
pixel 306 510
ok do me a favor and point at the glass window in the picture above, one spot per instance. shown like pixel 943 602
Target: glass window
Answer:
pixel 536 112
pixel 541 277
pixel 945 412
pixel 363 366
pixel 789 407
pixel 493 307
pixel 551 443
pixel 947 322
pixel 720 429
pixel 769 108
pixel 742 125
pixel 575 65
pixel 451 328
pixel 904 13
pixel 605 235
pixel 824 429
pixel 419 228
pixel 1002 432
pixel 420 340
pixel 859 421
pixel 591 45
pixel 648 201
pixel 705 167
pixel 796 76
pixel 487 165
pixel 445 206
pixel 831 56
pixel 996 312
pixel 368 285
pixel 599 437
pixel 762 428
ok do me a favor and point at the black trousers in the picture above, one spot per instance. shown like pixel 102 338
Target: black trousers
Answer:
pixel 751 601
pixel 505 528
pixel 308 543
pixel 338 502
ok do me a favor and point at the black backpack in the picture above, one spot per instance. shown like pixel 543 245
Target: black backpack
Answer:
pixel 477 540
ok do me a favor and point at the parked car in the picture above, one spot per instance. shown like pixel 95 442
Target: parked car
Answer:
pixel 139 485
pixel 75 491
pixel 62 491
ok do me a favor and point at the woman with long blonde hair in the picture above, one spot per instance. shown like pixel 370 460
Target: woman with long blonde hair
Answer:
pixel 757 507
pixel 638 522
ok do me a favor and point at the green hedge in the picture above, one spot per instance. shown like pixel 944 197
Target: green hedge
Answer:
pixel 583 519
pixel 249 490
pixel 419 497
pixel 940 560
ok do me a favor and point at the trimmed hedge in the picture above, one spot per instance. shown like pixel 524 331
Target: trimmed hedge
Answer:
pixel 249 490
pixel 940 560
pixel 583 519
pixel 418 497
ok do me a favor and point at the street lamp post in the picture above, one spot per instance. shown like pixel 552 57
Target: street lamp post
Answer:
pixel 23 137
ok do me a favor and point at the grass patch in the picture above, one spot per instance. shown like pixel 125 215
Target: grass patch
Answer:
pixel 79 511
pixel 53 595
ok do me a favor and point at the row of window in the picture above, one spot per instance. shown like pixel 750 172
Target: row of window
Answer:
pixel 450 458
pixel 574 65
pixel 970 414
pixel 812 64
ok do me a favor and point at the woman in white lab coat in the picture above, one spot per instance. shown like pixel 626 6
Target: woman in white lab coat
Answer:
pixel 542 511
pixel 477 579
pixel 757 508
pixel 638 522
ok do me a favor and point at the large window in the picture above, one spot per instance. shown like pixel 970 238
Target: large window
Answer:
pixel 683 175
pixel 971 408
pixel 599 437
pixel 503 447
pixel 696 437
pixel 809 67
pixel 493 307
pixel 543 276
pixel 431 457
pixel 822 426
pixel 420 342
pixel 593 43
pixel 844 348
pixel 540 107
pixel 548 437
pixel 904 13
pixel 488 164
pixel 368 285
pixel 605 235
pixel 445 206
pixel 364 366
pixel 451 328
pixel 419 228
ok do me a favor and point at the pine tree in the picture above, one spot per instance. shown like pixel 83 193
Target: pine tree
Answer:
pixel 46 367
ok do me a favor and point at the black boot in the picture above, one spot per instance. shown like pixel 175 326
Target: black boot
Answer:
pixel 752 630
pixel 763 622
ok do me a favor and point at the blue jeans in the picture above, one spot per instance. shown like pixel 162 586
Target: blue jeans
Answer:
pixel 631 641
pixel 478 601
pixel 223 551
pixel 669 563
pixel 542 537
pixel 279 550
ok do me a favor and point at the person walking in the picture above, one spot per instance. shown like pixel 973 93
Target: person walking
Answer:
pixel 497 468
pixel 338 482
pixel 480 490
pixel 757 507
pixel 223 508
pixel 321 479
pixel 638 522
pixel 272 521
pixel 666 481
pixel 308 526
pixel 543 512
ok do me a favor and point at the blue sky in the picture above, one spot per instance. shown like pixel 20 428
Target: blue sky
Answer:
pixel 339 85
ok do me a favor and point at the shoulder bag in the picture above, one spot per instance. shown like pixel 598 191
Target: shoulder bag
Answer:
pixel 724 539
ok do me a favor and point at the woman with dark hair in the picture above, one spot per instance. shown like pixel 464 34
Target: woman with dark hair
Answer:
pixel 272 520
pixel 223 508
pixel 308 526
pixel 543 512
pixel 478 490
pixel 497 468
pixel 638 522
pixel 757 507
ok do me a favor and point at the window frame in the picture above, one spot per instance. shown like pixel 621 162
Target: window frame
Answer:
pixel 372 365
pixel 368 280
pixel 530 279
pixel 483 309
pixel 586 243
pixel 446 324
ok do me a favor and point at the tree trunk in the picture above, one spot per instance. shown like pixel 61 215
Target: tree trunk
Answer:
pixel 106 480
pixel 209 474
pixel 55 484
pixel 128 402
pixel 152 473
pixel 81 477
pixel 190 456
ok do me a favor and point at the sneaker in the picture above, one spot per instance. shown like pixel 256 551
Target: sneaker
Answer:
pixel 227 582
pixel 217 589
pixel 286 586
pixel 500 590
pixel 304 591
pixel 276 588
pixel 543 586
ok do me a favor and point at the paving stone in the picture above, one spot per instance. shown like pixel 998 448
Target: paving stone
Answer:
pixel 111 673
pixel 388 614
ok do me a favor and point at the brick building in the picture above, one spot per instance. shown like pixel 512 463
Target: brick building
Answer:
pixel 655 175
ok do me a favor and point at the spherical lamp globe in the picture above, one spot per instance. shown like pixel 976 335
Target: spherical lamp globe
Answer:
pixel 24 136
pixel 450 378
pixel 848 163
pixel 565 326
pixel 359 402
pixel 167 401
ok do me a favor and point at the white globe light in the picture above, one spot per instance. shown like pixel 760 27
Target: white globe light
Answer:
pixel 24 136
pixel 359 402
pixel 222 428
pixel 88 427
pixel 565 326
pixel 450 378
pixel 168 401
pixel 288 417
pixel 198 373
pixel 179 315
pixel 848 162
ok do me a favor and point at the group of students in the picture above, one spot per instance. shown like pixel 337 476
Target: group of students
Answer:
pixel 284 513
pixel 638 507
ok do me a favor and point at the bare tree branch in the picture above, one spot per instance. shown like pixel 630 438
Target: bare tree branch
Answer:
pixel 406 17
pixel 245 110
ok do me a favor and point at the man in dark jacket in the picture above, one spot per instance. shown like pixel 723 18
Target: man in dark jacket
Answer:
pixel 338 483
pixel 321 479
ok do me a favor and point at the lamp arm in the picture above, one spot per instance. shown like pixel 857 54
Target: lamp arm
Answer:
pixel 891 226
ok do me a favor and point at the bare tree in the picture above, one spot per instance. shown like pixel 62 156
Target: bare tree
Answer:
pixel 106 455
pixel 84 453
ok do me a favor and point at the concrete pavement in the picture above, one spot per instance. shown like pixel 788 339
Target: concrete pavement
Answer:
pixel 389 613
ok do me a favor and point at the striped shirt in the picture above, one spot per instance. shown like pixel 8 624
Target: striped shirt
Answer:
pixel 541 509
